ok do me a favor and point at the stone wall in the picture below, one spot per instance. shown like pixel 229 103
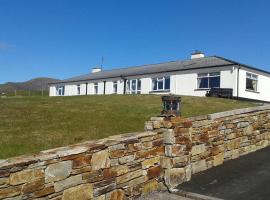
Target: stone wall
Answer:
pixel 130 165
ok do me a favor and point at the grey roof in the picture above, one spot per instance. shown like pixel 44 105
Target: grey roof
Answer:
pixel 206 62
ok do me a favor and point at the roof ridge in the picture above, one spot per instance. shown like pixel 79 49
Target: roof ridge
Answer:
pixel 244 65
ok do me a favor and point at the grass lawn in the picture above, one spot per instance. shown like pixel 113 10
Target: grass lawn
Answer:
pixel 31 124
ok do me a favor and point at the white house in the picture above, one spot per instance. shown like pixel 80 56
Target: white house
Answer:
pixel 192 77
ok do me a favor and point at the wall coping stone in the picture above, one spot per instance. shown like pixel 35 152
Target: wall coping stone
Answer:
pixel 237 112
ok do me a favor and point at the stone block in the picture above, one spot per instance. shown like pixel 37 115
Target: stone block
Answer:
pixel 198 166
pixel 175 176
pixel 188 172
pixel 181 161
pixel 33 186
pixel 126 159
pixel 58 171
pixel 218 159
pixel 262 144
pixel 133 182
pixel 44 192
pixel 248 130
pixel 216 150
pixel 129 176
pixel 109 173
pixel 117 147
pixel 168 150
pixel 121 169
pixel 10 192
pixel 100 190
pixel 101 197
pixel 212 133
pixel 166 162
pixel 150 162
pixel 169 137
pixel 157 151
pixel 233 144
pixel 26 176
pixel 150 186
pixel 67 183
pixel 82 161
pixel 178 150
pixel 116 195
pixel 80 192
pixel 198 149
pixel 100 160
pixel 242 124
pixel 93 176
pixel 4 181
pixel 154 172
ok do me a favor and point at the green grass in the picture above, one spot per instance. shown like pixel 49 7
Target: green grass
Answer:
pixel 25 93
pixel 31 124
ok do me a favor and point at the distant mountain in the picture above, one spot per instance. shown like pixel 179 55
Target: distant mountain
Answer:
pixel 36 84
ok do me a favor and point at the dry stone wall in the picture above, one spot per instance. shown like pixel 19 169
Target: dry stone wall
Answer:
pixel 130 165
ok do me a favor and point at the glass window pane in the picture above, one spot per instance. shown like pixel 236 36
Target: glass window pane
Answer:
pixel 128 86
pixel 248 75
pixel 214 82
pixel 214 74
pixel 167 83
pixel 133 85
pixel 251 84
pixel 139 84
pixel 160 85
pixel 203 83
pixel 254 76
pixel 154 84
pixel 114 87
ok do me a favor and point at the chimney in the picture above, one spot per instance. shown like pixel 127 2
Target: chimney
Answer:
pixel 197 54
pixel 96 69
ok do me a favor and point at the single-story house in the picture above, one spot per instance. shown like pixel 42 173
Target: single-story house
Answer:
pixel 192 77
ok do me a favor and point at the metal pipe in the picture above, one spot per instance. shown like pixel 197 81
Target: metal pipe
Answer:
pixel 86 88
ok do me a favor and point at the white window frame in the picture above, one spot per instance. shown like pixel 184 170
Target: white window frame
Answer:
pixel 207 75
pixel 130 90
pixel 95 88
pixel 60 90
pixel 115 87
pixel 253 77
pixel 163 81
pixel 78 89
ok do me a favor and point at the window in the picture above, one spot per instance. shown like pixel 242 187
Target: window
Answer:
pixel 251 82
pixel 134 86
pixel 209 80
pixel 60 90
pixel 78 89
pixel 95 88
pixel 161 83
pixel 115 87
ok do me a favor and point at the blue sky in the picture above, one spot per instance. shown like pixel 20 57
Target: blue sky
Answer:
pixel 65 38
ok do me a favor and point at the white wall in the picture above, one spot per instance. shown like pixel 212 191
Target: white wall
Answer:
pixel 185 82
pixel 182 83
pixel 263 91
pixel 52 90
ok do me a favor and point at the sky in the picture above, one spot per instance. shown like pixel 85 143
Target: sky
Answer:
pixel 66 38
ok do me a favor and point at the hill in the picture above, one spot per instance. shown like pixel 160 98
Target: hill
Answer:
pixel 37 84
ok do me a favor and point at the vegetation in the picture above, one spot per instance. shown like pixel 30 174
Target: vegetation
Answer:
pixel 33 87
pixel 31 124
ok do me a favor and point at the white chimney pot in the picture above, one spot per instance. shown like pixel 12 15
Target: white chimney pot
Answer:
pixel 197 54
pixel 96 69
